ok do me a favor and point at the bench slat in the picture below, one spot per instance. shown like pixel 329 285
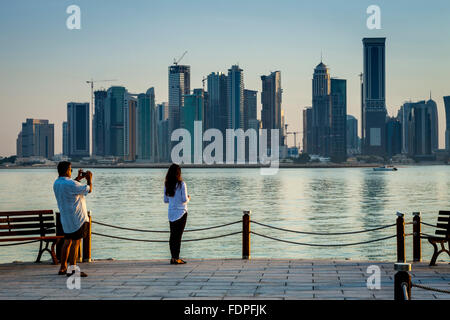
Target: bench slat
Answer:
pixel 27 226
pixel 31 238
pixel 25 213
pixel 444 219
pixel 444 213
pixel 26 232
pixel 442 226
pixel 26 219
pixel 443 232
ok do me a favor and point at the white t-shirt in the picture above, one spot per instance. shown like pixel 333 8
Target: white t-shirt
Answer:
pixel 177 203
pixel 71 203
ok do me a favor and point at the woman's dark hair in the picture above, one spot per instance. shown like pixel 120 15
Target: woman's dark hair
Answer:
pixel 63 166
pixel 173 179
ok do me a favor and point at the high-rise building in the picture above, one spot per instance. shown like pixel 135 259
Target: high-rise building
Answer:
pixel 338 148
pixel 98 123
pixel 374 97
pixel 352 135
pixel 393 137
pixel 321 111
pixel 235 98
pixel 146 126
pixel 308 130
pixel 179 86
pixel 65 139
pixel 163 139
pixel 130 128
pixel 447 122
pixel 432 109
pixel 116 103
pixel 193 111
pixel 250 107
pixel 36 139
pixel 271 105
pixel 217 98
pixel 78 129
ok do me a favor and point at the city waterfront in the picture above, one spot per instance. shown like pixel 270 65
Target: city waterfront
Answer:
pixel 312 200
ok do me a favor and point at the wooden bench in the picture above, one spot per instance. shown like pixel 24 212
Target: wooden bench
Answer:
pixel 442 235
pixel 29 226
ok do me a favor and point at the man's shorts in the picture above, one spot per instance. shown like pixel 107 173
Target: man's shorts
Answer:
pixel 79 234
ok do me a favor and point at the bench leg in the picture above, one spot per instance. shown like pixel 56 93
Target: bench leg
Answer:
pixel 435 253
pixel 40 252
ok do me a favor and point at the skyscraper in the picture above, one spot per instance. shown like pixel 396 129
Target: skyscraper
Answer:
pixel 338 148
pixel 146 126
pixel 98 123
pixel 163 139
pixel 374 96
pixel 78 129
pixel 393 137
pixel 447 122
pixel 308 130
pixel 217 94
pixel 130 128
pixel 321 111
pixel 432 109
pixel 250 106
pixel 179 85
pixel 36 139
pixel 65 139
pixel 235 98
pixel 271 105
pixel 352 134
pixel 192 112
pixel 116 102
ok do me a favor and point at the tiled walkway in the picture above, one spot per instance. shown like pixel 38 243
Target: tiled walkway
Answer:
pixel 217 279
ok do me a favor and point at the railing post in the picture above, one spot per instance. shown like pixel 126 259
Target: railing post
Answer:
pixel 400 238
pixel 417 244
pixel 246 235
pixel 59 232
pixel 400 278
pixel 87 241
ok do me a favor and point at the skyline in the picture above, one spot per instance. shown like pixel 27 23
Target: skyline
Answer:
pixel 43 56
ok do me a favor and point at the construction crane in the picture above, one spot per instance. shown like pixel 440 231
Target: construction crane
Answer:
pixel 91 82
pixel 175 61
pixel 294 133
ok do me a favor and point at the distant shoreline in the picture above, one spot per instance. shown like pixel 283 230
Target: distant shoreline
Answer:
pixel 223 166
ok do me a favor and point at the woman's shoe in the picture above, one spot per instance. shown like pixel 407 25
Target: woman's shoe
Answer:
pixel 177 261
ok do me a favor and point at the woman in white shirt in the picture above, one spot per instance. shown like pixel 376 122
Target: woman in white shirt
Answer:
pixel 175 194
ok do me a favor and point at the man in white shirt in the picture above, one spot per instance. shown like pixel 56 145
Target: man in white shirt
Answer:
pixel 72 208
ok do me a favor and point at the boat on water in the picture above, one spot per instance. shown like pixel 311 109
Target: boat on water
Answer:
pixel 385 168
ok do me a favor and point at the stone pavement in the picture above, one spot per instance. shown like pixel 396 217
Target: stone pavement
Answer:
pixel 217 279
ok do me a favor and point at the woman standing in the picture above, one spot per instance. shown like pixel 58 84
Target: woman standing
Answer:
pixel 175 194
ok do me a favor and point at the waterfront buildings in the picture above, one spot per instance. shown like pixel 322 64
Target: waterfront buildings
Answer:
pixel 116 104
pixel 352 135
pixel 193 111
pixel 98 123
pixel 374 97
pixel 447 122
pixel 321 111
pixel 146 125
pixel 271 98
pixel 393 137
pixel 308 130
pixel 36 139
pixel 179 86
pixel 65 139
pixel 235 98
pixel 78 129
pixel 130 129
pixel 217 99
pixel 250 107
pixel 338 148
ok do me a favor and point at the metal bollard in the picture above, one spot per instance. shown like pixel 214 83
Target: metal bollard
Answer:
pixel 400 238
pixel 87 241
pixel 417 244
pixel 402 281
pixel 246 235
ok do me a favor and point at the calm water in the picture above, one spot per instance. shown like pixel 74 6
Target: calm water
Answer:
pixel 322 200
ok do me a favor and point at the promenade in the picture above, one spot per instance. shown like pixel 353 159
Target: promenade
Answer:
pixel 218 279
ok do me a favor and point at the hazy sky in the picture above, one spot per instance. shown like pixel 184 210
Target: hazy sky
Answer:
pixel 43 65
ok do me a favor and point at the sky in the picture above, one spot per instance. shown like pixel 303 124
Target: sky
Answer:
pixel 44 65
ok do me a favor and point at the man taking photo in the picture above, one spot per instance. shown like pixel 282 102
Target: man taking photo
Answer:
pixel 70 196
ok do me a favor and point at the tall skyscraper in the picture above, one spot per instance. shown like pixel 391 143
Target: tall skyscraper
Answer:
pixel 352 134
pixel 338 146
pixel 98 123
pixel 130 128
pixel 308 130
pixel 235 98
pixel 65 139
pixel 250 107
pixel 179 85
pixel 146 126
pixel 374 96
pixel 192 112
pixel 217 96
pixel 162 115
pixel 116 103
pixel 36 139
pixel 447 122
pixel 432 110
pixel 321 110
pixel 393 137
pixel 78 129
pixel 271 104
